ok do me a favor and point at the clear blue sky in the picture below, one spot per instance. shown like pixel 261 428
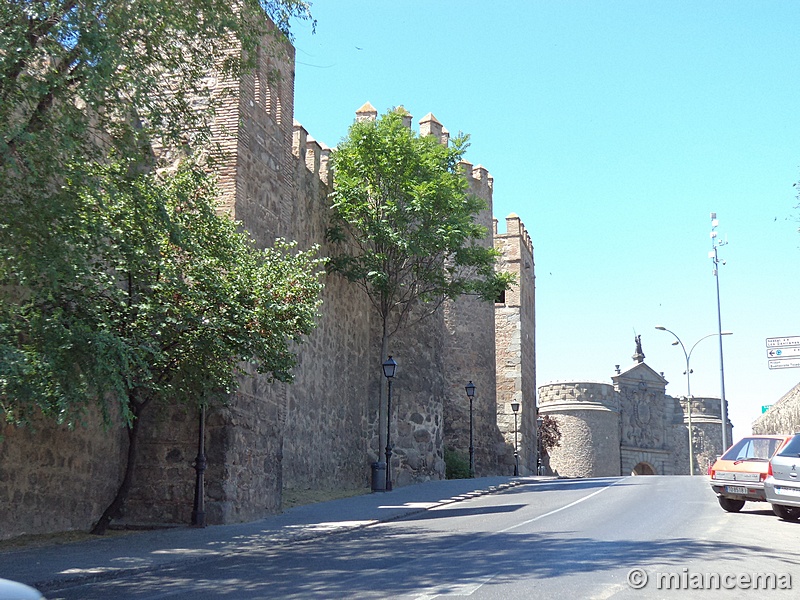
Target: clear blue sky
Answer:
pixel 613 129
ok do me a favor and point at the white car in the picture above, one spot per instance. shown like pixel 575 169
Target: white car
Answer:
pixel 11 590
pixel 782 485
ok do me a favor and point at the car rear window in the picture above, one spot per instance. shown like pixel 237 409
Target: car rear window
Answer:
pixel 753 449
pixel 792 448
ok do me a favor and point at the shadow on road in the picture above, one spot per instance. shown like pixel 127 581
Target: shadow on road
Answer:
pixel 411 559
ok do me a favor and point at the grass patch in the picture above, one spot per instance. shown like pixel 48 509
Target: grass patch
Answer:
pixel 41 540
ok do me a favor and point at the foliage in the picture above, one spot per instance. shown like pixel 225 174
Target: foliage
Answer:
pixel 78 78
pixel 119 282
pixel 88 90
pixel 178 303
pixel 456 464
pixel 404 222
pixel 550 433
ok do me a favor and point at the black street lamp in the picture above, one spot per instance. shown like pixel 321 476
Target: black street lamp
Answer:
pixel 515 408
pixel 470 387
pixel 199 510
pixel 539 466
pixel 389 368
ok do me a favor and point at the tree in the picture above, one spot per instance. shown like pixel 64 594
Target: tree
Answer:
pixel 80 81
pixel 183 303
pixel 119 283
pixel 550 433
pixel 80 78
pixel 84 84
pixel 403 223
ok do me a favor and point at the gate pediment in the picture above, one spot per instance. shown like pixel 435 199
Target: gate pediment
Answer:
pixel 642 407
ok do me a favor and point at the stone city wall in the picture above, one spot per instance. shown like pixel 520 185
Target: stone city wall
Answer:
pixel 318 433
pixel 706 434
pixel 469 351
pixel 53 478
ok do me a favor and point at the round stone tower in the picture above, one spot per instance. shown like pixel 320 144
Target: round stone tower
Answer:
pixel 588 416
pixel 706 432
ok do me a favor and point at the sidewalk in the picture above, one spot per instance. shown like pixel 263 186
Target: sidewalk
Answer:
pixel 51 567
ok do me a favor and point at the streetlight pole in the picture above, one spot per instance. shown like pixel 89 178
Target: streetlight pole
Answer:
pixel 389 368
pixel 715 243
pixel 688 372
pixel 539 422
pixel 199 508
pixel 515 409
pixel 470 387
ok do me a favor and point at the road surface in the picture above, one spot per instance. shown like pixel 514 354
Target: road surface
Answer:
pixel 621 538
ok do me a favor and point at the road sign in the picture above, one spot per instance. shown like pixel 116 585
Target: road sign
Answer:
pixel 782 342
pixel 783 352
pixel 784 363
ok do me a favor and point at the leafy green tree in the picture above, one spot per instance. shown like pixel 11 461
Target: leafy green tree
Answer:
pixel 80 81
pixel 181 304
pixel 403 223
pixel 119 283
pixel 80 78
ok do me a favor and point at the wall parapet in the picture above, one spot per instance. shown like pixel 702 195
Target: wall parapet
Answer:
pixel 314 154
pixel 515 227
pixel 578 395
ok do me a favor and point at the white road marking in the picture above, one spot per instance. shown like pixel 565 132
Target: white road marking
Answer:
pixel 468 589
pixel 566 506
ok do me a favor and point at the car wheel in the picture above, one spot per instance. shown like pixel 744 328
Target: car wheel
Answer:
pixel 729 504
pixel 787 513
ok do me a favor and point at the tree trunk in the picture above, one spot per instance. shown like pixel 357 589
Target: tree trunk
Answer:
pixel 115 508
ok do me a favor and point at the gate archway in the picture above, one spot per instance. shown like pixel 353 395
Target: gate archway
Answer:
pixel 643 468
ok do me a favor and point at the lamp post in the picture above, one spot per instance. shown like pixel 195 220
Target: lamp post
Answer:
pixel 515 409
pixel 539 421
pixel 199 509
pixel 389 368
pixel 715 243
pixel 688 372
pixel 470 387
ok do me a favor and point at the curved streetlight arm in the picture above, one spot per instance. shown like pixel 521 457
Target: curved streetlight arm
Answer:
pixel 688 354
pixel 675 335
pixel 708 336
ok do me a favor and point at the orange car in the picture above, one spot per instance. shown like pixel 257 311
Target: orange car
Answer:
pixel 738 475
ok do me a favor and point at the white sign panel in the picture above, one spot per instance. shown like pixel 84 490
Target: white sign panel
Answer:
pixel 784 363
pixel 782 342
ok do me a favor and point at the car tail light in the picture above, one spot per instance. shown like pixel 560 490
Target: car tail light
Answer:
pixel 769 469
pixel 711 472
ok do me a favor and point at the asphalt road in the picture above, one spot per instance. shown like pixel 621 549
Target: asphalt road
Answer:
pixel 630 537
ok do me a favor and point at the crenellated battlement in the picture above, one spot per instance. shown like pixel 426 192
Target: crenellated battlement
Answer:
pixel 515 227
pixel 315 154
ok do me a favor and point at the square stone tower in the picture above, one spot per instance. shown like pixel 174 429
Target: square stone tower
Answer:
pixel 515 330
